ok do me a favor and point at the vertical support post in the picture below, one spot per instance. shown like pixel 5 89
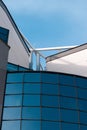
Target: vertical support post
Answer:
pixel 37 61
pixel 31 60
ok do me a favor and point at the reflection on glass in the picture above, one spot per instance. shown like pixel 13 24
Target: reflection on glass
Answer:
pixel 50 114
pixel 32 77
pixel 31 100
pixel 31 113
pixel 13 100
pixel 30 125
pixel 11 125
pixel 31 88
pixel 11 113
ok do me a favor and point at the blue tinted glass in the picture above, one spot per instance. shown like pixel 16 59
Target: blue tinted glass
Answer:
pixel 69 115
pixel 68 102
pixel 11 113
pixel 82 93
pixel 82 105
pixel 31 100
pixel 15 77
pixel 83 118
pixel 66 79
pixel 4 34
pixel 50 114
pixel 32 88
pixel 50 125
pixel 83 127
pixel 31 113
pixel 81 82
pixel 11 67
pixel 68 126
pixel 15 100
pixel 68 91
pixel 30 125
pixel 32 77
pixel 13 88
pixel 51 101
pixel 49 78
pixel 11 125
pixel 50 89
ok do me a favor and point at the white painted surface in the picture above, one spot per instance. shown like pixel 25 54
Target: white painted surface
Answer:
pixel 17 53
pixel 75 63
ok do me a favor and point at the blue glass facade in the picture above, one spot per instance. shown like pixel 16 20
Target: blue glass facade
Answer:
pixel 45 101
pixel 4 34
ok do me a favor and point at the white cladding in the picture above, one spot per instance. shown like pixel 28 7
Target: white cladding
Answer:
pixel 17 53
pixel 75 63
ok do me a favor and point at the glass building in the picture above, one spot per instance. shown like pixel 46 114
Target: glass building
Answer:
pixel 51 99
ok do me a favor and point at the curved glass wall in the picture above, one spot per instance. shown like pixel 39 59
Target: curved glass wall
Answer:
pixel 45 101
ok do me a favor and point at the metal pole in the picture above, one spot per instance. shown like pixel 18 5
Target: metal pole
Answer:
pixel 37 61
pixel 31 60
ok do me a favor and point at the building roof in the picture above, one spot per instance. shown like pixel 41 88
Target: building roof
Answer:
pixel 73 61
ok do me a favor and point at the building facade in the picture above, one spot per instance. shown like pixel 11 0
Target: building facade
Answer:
pixel 55 99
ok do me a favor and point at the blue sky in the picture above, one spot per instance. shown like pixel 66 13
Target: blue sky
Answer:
pixel 48 23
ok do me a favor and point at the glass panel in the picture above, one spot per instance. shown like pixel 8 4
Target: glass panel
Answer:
pixel 82 93
pixel 51 101
pixel 68 102
pixel 66 79
pixel 83 127
pixel 32 77
pixel 82 105
pixel 15 77
pixel 15 100
pixel 32 88
pixel 50 125
pixel 68 91
pixel 50 114
pixel 11 113
pixel 31 113
pixel 30 125
pixel 81 82
pixel 50 89
pixel 69 115
pixel 49 78
pixel 83 117
pixel 13 88
pixel 68 126
pixel 31 100
pixel 11 125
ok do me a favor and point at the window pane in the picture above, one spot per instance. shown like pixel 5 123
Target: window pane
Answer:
pixel 15 77
pixel 50 89
pixel 32 88
pixel 83 117
pixel 11 125
pixel 30 125
pixel 83 127
pixel 50 125
pixel 49 78
pixel 50 114
pixel 11 113
pixel 15 100
pixel 69 115
pixel 51 101
pixel 82 93
pixel 68 126
pixel 82 105
pixel 31 100
pixel 81 82
pixel 68 91
pixel 68 102
pixel 32 77
pixel 66 79
pixel 31 113
pixel 13 88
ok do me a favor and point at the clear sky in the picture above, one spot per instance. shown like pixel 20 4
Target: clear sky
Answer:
pixel 48 23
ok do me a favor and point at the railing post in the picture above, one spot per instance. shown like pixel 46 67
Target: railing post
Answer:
pixel 37 61
pixel 31 60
